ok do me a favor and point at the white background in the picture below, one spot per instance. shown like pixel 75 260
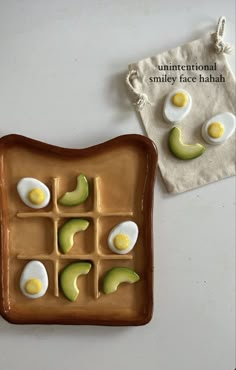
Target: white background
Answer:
pixel 62 67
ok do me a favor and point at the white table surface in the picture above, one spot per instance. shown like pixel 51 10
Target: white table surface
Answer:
pixel 62 67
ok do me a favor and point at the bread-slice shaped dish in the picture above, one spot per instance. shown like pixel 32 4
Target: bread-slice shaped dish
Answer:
pixel 121 174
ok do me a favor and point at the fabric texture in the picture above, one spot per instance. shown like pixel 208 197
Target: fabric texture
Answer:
pixel 208 99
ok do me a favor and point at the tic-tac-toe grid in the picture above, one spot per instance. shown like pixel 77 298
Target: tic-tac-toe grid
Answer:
pixel 56 214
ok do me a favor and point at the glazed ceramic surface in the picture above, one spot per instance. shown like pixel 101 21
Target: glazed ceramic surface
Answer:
pixel 121 174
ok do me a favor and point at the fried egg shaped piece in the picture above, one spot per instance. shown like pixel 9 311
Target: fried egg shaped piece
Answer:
pixel 177 105
pixel 34 280
pixel 219 128
pixel 122 237
pixel 33 193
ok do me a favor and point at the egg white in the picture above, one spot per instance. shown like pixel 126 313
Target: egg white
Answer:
pixel 228 120
pixel 171 112
pixel 128 228
pixel 34 270
pixel 25 185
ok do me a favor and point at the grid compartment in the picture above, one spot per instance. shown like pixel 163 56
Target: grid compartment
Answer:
pixel 52 285
pixel 83 240
pixel 20 205
pixel 85 283
pixel 125 292
pixel 106 224
pixel 89 245
pixel 38 234
pixel 68 184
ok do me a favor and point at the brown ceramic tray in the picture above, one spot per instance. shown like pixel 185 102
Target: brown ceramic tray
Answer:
pixel 121 179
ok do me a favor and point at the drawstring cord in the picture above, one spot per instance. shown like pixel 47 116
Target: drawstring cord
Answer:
pixel 220 45
pixel 141 99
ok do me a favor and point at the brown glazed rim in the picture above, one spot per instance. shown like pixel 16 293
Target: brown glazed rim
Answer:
pixel 14 139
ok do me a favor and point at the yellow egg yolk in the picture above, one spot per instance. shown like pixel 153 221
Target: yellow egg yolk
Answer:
pixel 36 196
pixel 121 241
pixel 216 130
pixel 180 99
pixel 33 286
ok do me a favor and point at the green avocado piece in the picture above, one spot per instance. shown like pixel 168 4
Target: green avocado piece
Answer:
pixel 116 276
pixel 181 150
pixel 69 276
pixel 68 230
pixel 78 195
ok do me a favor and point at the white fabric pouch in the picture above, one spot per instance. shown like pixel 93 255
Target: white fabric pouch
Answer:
pixel 199 67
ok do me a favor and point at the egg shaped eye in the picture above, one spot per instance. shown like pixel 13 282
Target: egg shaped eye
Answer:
pixel 122 237
pixel 33 193
pixel 177 105
pixel 219 128
pixel 34 280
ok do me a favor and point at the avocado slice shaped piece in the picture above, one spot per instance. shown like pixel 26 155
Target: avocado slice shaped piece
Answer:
pixel 116 276
pixel 78 195
pixel 68 230
pixel 181 150
pixel 69 276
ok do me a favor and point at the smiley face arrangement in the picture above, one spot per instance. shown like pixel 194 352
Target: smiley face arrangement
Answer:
pixel 120 240
pixel 215 131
